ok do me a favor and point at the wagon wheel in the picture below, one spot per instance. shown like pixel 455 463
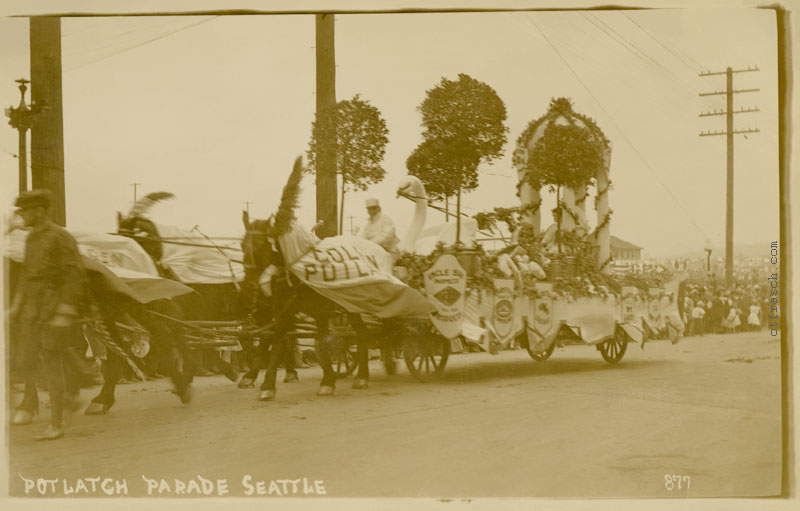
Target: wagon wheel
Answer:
pixel 541 356
pixel 344 361
pixel 426 356
pixel 614 348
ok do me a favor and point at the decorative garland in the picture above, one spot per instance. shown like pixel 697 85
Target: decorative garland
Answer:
pixel 588 281
pixel 600 193
pixel 605 222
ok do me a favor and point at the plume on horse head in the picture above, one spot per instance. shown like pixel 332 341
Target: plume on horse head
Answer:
pixel 144 204
pixel 291 193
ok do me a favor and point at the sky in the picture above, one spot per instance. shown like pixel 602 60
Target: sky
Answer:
pixel 215 109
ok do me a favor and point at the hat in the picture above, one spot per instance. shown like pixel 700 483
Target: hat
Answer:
pixel 34 199
pixel 372 203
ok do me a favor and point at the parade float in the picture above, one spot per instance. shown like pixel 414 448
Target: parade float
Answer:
pixel 549 287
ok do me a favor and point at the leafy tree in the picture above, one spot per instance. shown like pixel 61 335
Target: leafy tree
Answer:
pixel 566 155
pixel 464 127
pixel 435 162
pixel 361 137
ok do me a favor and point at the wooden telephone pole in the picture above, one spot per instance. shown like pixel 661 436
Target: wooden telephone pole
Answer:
pixel 47 133
pixel 326 117
pixel 729 133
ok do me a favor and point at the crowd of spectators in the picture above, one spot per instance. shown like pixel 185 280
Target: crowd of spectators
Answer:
pixel 711 306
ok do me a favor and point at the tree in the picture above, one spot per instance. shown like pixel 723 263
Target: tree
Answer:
pixel 464 127
pixel 435 162
pixel 566 155
pixel 361 137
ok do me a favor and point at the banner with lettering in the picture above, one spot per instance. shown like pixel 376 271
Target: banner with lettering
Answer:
pixel 124 265
pixel 353 272
pixel 445 285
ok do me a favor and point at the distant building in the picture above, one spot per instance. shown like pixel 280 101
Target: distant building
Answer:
pixel 621 250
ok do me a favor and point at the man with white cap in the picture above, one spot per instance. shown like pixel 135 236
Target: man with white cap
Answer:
pixel 379 227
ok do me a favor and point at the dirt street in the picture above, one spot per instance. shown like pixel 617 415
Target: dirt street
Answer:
pixel 706 411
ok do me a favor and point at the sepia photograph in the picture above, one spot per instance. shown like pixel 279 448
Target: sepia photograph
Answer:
pixel 451 252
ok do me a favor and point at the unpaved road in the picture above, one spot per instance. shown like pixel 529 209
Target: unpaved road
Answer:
pixel 707 408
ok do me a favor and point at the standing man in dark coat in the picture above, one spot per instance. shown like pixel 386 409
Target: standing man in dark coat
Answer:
pixel 46 307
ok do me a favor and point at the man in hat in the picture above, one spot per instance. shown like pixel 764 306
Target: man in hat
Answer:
pixel 379 228
pixel 46 307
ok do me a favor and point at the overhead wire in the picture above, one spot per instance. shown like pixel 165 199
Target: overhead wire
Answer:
pixel 599 104
pixel 646 58
pixel 148 41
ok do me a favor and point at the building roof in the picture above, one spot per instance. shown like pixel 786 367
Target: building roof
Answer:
pixel 622 244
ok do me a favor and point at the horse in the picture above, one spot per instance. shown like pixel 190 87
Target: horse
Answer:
pixel 109 307
pixel 218 301
pixel 290 296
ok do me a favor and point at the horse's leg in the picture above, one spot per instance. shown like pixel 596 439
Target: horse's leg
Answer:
pixel 276 355
pixel 288 359
pixel 389 343
pixel 255 364
pixel 112 371
pixel 225 367
pixel 362 353
pixel 323 346
pixel 171 338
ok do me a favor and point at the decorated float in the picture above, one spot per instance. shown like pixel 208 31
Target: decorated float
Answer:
pixel 547 288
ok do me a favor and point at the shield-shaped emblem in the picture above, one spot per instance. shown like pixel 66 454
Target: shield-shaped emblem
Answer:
pixel 654 305
pixel 543 308
pixel 627 303
pixel 503 310
pixel 445 285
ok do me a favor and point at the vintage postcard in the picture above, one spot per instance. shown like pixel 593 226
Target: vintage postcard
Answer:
pixel 294 253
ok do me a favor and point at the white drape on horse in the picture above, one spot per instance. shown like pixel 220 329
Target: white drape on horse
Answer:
pixel 122 263
pixel 353 272
pixel 199 264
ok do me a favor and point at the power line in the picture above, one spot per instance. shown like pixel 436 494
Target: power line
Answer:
pixel 692 67
pixel 162 36
pixel 641 54
pixel 647 164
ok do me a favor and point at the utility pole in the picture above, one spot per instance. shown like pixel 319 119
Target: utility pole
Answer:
pixel 135 186
pixel 247 207
pixel 47 133
pixel 326 117
pixel 729 133
pixel 21 119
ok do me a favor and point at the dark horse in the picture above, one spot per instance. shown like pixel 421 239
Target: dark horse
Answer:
pixel 289 297
pixel 164 335
pixel 212 301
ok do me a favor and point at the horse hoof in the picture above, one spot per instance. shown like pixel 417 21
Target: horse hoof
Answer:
pixel 246 383
pixel 290 378
pixel 185 395
pixel 266 395
pixel 360 383
pixel 97 409
pixel 22 418
pixel 325 390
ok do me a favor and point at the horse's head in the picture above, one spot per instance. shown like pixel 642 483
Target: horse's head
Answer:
pixel 260 246
pixel 144 232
